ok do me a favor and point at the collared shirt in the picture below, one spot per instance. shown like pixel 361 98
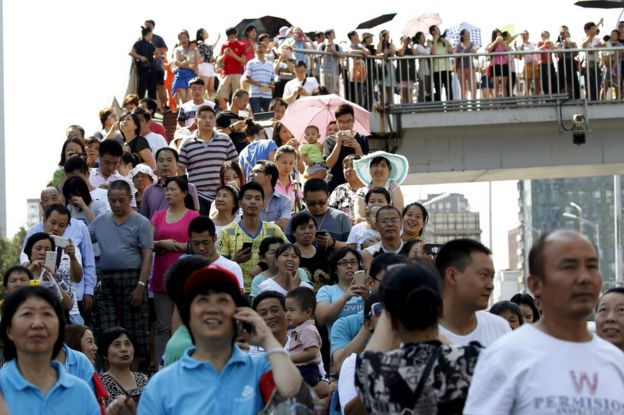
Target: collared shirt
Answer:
pixel 292 191
pixel 203 161
pixel 262 72
pixel 69 394
pixel 154 199
pixel 234 235
pixel 78 232
pixel 304 337
pixel 200 389
pixel 279 207
pixel 97 179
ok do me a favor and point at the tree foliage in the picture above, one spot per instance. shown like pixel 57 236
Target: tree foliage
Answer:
pixel 10 249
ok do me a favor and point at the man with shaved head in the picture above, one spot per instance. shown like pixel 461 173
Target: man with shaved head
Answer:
pixel 555 365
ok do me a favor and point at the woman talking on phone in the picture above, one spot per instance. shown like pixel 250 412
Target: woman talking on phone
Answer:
pixel 216 313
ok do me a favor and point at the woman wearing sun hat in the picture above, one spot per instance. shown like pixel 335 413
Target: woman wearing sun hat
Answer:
pixel 215 376
pixel 380 169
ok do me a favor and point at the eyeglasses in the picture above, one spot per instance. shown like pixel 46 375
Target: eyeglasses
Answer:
pixel 316 203
pixel 389 221
pixel 257 171
pixel 376 310
pixel 347 262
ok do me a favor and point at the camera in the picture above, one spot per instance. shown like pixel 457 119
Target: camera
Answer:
pixel 578 129
pixel 579 121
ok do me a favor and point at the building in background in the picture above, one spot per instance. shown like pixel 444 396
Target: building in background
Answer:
pixel 507 283
pixel 514 240
pixel 584 204
pixel 33 216
pixel 450 218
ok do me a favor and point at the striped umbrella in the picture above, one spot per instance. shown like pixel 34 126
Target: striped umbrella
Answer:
pixel 452 33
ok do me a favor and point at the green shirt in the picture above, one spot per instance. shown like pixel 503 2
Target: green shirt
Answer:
pixel 177 345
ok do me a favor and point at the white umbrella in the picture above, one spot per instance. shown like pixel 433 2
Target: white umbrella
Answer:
pixel 452 33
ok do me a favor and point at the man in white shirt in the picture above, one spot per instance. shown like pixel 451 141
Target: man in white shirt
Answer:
pixel 301 86
pixel 186 116
pixel 556 365
pixel 203 238
pixel 592 69
pixel 468 279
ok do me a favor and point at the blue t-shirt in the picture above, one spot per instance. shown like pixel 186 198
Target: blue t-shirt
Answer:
pixel 333 293
pixel 69 395
pixel 256 150
pixel 344 331
pixel 77 364
pixel 191 386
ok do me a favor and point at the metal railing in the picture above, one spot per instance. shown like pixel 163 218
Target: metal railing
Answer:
pixel 474 81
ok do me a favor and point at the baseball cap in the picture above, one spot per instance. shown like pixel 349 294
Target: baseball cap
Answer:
pixel 214 277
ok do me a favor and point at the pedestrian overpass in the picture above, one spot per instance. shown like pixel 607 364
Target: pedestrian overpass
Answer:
pixel 489 142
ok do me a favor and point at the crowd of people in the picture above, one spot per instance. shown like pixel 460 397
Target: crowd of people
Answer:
pixel 370 69
pixel 233 269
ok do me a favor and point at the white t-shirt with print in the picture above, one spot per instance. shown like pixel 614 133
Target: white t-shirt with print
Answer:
pixel 489 328
pixel 531 372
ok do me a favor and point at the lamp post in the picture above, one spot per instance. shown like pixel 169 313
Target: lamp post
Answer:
pixel 592 224
pixel 580 214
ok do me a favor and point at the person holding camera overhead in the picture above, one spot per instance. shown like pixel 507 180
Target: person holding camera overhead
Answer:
pixel 441 67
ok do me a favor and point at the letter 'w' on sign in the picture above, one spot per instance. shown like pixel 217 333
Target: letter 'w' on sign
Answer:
pixel 579 382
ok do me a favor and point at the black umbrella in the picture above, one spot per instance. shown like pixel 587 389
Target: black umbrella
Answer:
pixel 266 24
pixel 369 24
pixel 601 4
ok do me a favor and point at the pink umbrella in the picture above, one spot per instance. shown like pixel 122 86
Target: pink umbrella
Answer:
pixel 319 111
pixel 421 24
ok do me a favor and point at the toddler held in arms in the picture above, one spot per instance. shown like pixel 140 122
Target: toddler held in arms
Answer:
pixel 305 342
pixel 312 154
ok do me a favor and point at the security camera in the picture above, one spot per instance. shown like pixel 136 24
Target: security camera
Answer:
pixel 579 121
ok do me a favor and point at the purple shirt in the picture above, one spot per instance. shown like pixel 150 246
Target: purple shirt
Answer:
pixel 154 199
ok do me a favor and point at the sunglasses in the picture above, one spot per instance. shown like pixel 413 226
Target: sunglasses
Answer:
pixel 376 310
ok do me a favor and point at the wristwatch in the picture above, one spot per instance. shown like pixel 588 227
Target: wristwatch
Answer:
pixel 142 284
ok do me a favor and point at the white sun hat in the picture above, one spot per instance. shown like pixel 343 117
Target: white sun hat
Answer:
pixel 399 167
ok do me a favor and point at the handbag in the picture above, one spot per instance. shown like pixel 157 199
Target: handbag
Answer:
pixel 358 70
pixel 300 404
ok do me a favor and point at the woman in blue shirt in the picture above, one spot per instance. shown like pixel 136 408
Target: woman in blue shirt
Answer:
pixel 345 297
pixel 32 329
pixel 215 376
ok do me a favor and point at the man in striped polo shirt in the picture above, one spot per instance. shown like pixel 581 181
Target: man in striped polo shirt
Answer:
pixel 260 74
pixel 202 156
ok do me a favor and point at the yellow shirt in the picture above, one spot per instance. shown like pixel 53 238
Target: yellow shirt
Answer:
pixel 233 236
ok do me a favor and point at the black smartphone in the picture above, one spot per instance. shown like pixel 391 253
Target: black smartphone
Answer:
pixel 242 326
pixel 432 249
pixel 247 245
pixel 321 233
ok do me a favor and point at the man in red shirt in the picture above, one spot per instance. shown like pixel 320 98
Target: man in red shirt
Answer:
pixel 233 59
